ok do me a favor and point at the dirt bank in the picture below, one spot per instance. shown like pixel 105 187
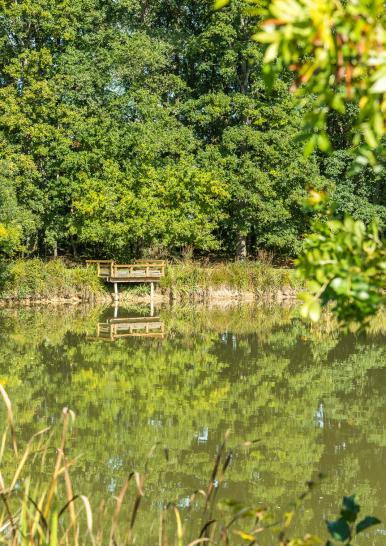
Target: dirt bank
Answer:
pixel 223 294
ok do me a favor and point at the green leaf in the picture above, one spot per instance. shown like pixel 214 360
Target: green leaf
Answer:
pixel 370 137
pixel 367 522
pixel 379 86
pixel 339 285
pixel 338 104
pixel 324 142
pixel 219 4
pixel 271 53
pixel 363 295
pixel 309 147
pixel 339 529
pixel 350 509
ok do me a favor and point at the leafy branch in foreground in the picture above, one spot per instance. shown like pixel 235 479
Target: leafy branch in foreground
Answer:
pixel 343 262
pixel 337 53
pixel 346 528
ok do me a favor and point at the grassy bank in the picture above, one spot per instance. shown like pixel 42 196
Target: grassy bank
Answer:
pixel 237 278
pixel 36 280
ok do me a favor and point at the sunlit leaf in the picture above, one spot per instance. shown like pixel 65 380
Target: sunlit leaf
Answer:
pixel 219 4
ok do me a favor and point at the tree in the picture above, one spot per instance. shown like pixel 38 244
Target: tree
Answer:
pixel 339 58
pixel 344 263
pixel 249 136
pixel 130 128
pixel 336 54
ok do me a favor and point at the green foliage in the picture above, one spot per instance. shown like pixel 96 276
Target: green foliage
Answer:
pixel 52 280
pixel 344 528
pixel 15 221
pixel 360 194
pixel 194 278
pixel 336 53
pixel 128 130
pixel 345 264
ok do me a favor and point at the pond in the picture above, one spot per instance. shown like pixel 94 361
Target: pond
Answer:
pixel 307 399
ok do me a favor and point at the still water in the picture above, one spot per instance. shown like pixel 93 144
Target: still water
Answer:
pixel 178 380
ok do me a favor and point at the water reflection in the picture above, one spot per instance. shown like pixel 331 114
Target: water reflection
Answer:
pixel 313 399
pixel 115 329
pixel 123 324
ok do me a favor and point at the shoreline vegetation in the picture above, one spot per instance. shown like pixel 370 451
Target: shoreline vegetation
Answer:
pixel 34 281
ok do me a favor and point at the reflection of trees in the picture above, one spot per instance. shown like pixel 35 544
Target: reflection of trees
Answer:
pixel 254 371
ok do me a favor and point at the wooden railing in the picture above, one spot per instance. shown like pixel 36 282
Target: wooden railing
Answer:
pixel 129 327
pixel 141 270
pixel 158 262
pixel 104 267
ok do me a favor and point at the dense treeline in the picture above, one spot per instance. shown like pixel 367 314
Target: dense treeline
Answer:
pixel 134 128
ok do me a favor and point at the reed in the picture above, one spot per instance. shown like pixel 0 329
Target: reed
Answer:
pixel 36 279
pixel 43 508
pixel 244 276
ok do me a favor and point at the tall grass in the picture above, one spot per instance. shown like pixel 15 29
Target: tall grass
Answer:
pixel 35 279
pixel 255 277
pixel 39 280
pixel 40 506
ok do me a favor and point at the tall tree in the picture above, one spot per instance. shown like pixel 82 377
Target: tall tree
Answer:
pixel 130 127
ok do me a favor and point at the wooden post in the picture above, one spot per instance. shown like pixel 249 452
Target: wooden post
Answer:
pixel 151 299
pixel 116 293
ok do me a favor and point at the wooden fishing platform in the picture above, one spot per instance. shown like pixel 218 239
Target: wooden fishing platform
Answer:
pixel 141 271
pixel 117 328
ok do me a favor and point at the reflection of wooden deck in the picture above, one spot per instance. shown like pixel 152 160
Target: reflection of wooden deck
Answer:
pixel 140 271
pixel 118 328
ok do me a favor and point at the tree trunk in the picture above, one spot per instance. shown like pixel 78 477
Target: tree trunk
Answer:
pixel 241 250
pixel 74 249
